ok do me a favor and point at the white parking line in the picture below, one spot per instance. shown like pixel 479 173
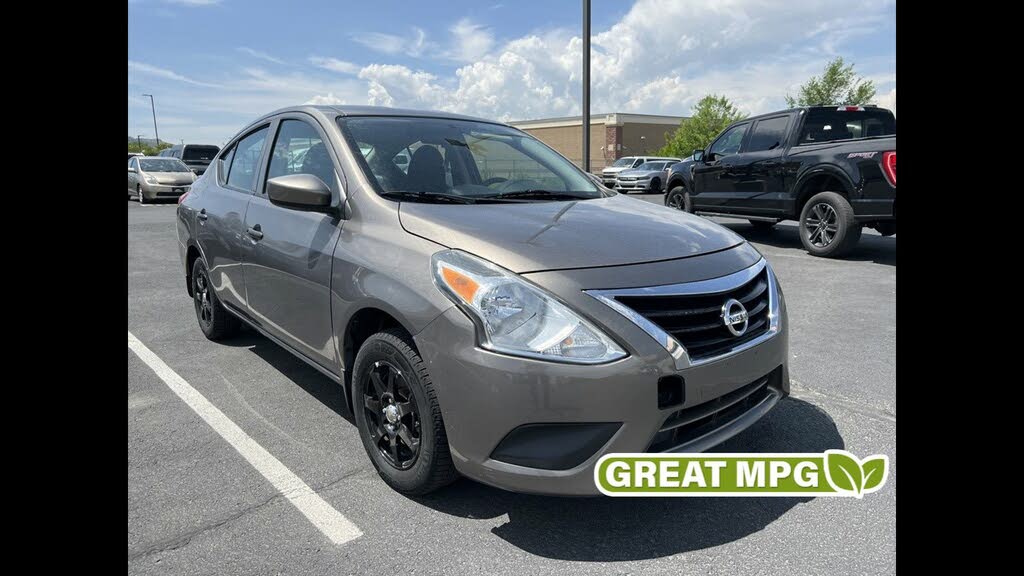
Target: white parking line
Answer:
pixel 332 523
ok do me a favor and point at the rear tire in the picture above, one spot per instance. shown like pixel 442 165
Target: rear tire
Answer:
pixel 679 199
pixel 215 321
pixel 388 374
pixel 827 225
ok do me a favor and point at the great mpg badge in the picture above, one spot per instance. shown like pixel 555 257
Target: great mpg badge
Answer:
pixel 832 473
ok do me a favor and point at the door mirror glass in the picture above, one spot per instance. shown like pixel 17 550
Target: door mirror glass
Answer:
pixel 698 155
pixel 299 191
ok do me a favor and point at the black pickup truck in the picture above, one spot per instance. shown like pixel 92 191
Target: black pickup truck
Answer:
pixel 832 168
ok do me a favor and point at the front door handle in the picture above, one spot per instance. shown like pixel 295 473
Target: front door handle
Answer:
pixel 255 232
pixel 202 215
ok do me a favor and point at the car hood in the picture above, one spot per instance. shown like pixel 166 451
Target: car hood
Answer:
pixel 615 169
pixel 531 237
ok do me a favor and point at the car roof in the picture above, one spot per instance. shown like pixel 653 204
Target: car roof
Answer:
pixel 346 110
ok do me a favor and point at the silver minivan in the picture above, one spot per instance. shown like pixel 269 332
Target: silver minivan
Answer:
pixel 488 310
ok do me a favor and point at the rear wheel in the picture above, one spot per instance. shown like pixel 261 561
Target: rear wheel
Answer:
pixel 679 199
pixel 215 322
pixel 398 416
pixel 827 225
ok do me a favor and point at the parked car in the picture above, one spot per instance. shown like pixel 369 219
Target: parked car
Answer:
pixel 626 163
pixel 647 177
pixel 833 168
pixel 511 328
pixel 152 177
pixel 196 156
pixel 130 154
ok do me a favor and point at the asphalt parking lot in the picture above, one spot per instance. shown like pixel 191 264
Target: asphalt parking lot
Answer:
pixel 196 506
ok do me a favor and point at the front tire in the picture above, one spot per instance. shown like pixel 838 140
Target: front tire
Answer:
pixel 214 320
pixel 398 417
pixel 679 199
pixel 827 225
pixel 141 197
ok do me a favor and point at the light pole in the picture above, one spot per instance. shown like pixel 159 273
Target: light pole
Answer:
pixel 643 143
pixel 586 86
pixel 138 140
pixel 152 104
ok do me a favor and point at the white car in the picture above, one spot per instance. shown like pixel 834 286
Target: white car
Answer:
pixel 609 174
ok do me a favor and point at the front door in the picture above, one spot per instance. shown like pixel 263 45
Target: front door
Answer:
pixel 288 252
pixel 717 174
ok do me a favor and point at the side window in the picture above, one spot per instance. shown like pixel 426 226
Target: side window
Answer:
pixel 768 134
pixel 242 173
pixel 298 149
pixel 638 162
pixel 133 163
pixel 224 165
pixel 729 143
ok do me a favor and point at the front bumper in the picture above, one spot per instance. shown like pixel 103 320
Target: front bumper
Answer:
pixel 153 191
pixel 485 396
pixel 633 185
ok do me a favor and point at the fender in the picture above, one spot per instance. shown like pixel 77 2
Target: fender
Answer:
pixel 831 170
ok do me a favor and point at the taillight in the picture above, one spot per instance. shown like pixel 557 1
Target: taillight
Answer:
pixel 182 197
pixel 889 166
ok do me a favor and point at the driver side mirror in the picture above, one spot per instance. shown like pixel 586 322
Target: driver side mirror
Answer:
pixel 299 191
pixel 131 170
pixel 698 155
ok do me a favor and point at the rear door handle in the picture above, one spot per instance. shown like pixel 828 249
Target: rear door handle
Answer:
pixel 202 215
pixel 255 232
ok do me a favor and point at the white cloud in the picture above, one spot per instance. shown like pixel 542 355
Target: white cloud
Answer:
pixel 470 41
pixel 150 70
pixel 639 64
pixel 326 99
pixel 887 100
pixel 260 55
pixel 414 45
pixel 334 65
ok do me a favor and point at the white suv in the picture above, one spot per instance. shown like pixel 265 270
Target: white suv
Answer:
pixel 626 163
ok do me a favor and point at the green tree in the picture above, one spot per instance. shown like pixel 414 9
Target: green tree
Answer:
pixel 837 85
pixel 148 150
pixel 710 116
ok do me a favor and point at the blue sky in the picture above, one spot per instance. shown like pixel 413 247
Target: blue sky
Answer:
pixel 214 65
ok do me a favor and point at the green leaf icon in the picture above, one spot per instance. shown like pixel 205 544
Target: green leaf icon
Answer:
pixel 875 471
pixel 843 472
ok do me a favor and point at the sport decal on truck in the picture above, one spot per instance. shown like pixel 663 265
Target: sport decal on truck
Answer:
pixel 861 154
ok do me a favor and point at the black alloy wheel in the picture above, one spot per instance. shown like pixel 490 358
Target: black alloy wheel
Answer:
pixel 392 419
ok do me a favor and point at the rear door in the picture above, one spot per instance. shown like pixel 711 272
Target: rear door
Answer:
pixel 287 252
pixel 221 214
pixel 717 175
pixel 760 186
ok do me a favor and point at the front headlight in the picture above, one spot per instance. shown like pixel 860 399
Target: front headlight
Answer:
pixel 151 180
pixel 515 317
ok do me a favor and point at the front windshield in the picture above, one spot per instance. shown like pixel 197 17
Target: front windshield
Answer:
pixel 627 161
pixel 461 159
pixel 162 165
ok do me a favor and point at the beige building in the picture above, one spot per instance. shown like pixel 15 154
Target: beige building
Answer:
pixel 612 136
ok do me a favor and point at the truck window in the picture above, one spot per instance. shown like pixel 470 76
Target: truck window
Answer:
pixel 829 124
pixel 729 142
pixel 768 134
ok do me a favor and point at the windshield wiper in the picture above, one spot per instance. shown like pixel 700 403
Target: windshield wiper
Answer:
pixel 539 194
pixel 429 197
pixel 440 197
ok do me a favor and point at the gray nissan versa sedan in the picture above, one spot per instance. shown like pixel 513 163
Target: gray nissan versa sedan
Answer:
pixel 487 308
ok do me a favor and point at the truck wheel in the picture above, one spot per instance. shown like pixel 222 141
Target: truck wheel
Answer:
pixel 215 322
pixel 679 199
pixel 827 225
pixel 398 417
pixel 761 225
